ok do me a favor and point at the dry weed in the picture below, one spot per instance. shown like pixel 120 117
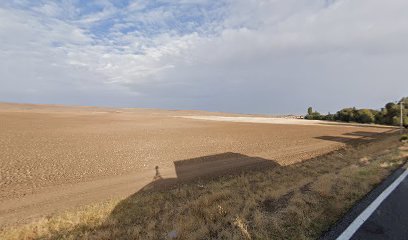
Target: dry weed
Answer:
pixel 299 201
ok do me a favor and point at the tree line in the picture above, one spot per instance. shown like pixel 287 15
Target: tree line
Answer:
pixel 388 115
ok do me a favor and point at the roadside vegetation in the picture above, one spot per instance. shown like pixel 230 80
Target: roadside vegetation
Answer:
pixel 298 201
pixel 388 115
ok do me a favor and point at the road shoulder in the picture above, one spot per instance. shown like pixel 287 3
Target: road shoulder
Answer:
pixel 338 228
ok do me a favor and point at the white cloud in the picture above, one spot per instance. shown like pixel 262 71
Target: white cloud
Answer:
pixel 244 55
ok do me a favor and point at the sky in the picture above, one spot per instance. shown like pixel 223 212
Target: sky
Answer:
pixel 246 56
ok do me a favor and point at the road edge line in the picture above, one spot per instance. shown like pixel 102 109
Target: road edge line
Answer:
pixel 356 224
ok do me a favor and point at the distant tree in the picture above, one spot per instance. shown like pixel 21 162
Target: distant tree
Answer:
pixel 405 121
pixel 310 111
pixel 389 115
pixel 313 115
pixel 364 116
pixel 329 117
pixel 404 101
pixel 395 120
pixel 380 116
pixel 392 112
pixel 389 106
pixel 317 116
pixel 345 115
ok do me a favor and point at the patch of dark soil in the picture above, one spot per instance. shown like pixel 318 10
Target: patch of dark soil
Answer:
pixel 276 204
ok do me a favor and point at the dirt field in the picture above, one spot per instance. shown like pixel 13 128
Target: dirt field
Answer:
pixel 75 155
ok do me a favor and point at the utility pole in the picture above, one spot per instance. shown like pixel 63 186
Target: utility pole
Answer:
pixel 401 119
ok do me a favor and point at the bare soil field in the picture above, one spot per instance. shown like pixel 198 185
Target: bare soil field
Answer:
pixel 54 157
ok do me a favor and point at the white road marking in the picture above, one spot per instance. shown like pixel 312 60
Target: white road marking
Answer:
pixel 356 224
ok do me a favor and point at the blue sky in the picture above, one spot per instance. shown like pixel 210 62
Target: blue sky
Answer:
pixel 253 56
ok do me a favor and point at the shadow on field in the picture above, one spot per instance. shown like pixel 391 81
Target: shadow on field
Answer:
pixel 346 140
pixel 148 211
pixel 148 202
pixel 207 167
pixel 362 134
pixel 354 137
pixel 351 124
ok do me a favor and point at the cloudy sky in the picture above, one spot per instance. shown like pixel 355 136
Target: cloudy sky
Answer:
pixel 253 56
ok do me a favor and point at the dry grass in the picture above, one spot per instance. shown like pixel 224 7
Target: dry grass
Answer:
pixel 298 201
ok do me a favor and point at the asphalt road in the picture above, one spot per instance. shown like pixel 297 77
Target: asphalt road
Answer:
pixel 390 219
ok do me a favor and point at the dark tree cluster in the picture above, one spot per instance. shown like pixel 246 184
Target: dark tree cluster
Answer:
pixel 388 115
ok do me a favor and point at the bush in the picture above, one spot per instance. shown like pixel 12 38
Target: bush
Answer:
pixel 314 116
pixel 396 121
pixel 364 116
pixel 404 138
pixel 380 117
pixel 346 115
pixel 329 117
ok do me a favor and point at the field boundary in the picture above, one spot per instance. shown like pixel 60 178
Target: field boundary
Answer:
pixel 280 120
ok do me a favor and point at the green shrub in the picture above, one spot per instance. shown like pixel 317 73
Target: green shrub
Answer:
pixel 314 115
pixel 329 117
pixel 364 116
pixel 405 121
pixel 346 115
